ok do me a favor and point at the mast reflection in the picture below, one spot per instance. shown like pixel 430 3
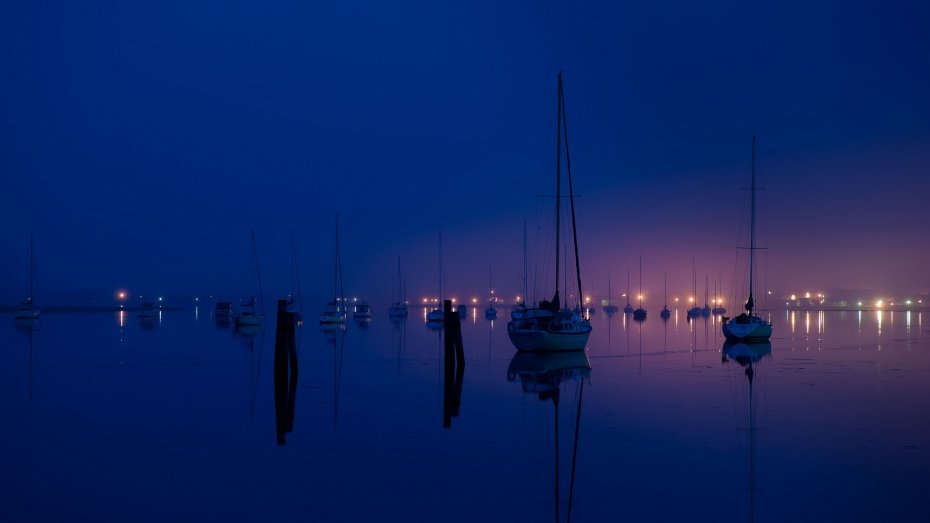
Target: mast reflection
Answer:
pixel 542 374
pixel 747 355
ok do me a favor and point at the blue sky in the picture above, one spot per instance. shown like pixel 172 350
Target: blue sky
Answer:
pixel 142 142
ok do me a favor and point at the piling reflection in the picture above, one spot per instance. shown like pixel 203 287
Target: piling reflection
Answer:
pixel 28 326
pixel 453 366
pixel 543 374
pixel 335 335
pixel 747 355
pixel 285 372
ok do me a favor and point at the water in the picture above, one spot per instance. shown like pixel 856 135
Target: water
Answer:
pixel 112 417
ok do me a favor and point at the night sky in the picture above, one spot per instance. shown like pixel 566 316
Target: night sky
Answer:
pixel 141 142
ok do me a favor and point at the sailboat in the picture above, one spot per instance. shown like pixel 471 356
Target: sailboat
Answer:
pixel 335 312
pixel 398 307
pixel 628 309
pixel 706 310
pixel 27 310
pixel 610 308
pixel 718 306
pixel 518 309
pixel 295 299
pixel 490 312
pixel 694 311
pixel 640 313
pixel 665 314
pixel 747 326
pixel 253 312
pixel 436 315
pixel 549 326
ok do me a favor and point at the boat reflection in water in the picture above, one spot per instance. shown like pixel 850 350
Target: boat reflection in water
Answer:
pixel 747 355
pixel 543 374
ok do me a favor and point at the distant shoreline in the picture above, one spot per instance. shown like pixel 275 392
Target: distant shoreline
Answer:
pixel 87 308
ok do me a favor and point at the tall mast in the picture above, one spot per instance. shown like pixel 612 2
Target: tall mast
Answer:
pixel 558 184
pixel 440 268
pixel 752 225
pixel 32 268
pixel 258 275
pixel 571 192
pixel 525 268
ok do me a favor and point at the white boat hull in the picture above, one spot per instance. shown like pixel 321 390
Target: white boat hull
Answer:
pixel 332 318
pixel 544 341
pixel 753 331
pixel 435 316
pixel 32 314
pixel 250 319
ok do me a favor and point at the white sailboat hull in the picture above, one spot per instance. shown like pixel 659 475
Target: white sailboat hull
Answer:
pixel 31 314
pixel 435 316
pixel 754 330
pixel 250 319
pixel 397 312
pixel 544 341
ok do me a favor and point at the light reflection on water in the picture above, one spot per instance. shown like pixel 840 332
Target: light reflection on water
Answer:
pixel 187 411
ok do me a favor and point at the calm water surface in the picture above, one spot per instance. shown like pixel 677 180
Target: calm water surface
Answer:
pixel 111 417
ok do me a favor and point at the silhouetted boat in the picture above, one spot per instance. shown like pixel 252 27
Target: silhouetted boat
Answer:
pixel 610 308
pixel 398 307
pixel 252 311
pixel 362 310
pixel 694 311
pixel 549 326
pixel 718 309
pixel 295 300
pixel 640 313
pixel 436 315
pixel 490 312
pixel 665 314
pixel 747 326
pixel 27 310
pixel 628 309
pixel 335 312
pixel 146 310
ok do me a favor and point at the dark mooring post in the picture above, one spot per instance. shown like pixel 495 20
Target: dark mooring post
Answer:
pixel 285 386
pixel 454 364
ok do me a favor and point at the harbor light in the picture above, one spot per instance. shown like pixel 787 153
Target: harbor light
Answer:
pixel 878 303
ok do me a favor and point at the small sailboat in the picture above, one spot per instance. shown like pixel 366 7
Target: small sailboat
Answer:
pixel 27 310
pixel 398 307
pixel 518 310
pixel 640 313
pixel 436 316
pixel 362 310
pixel 705 311
pixel 748 327
pixel 628 309
pixel 490 312
pixel 665 314
pixel 718 306
pixel 610 308
pixel 549 326
pixel 253 311
pixel 335 312
pixel 295 299
pixel 694 311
